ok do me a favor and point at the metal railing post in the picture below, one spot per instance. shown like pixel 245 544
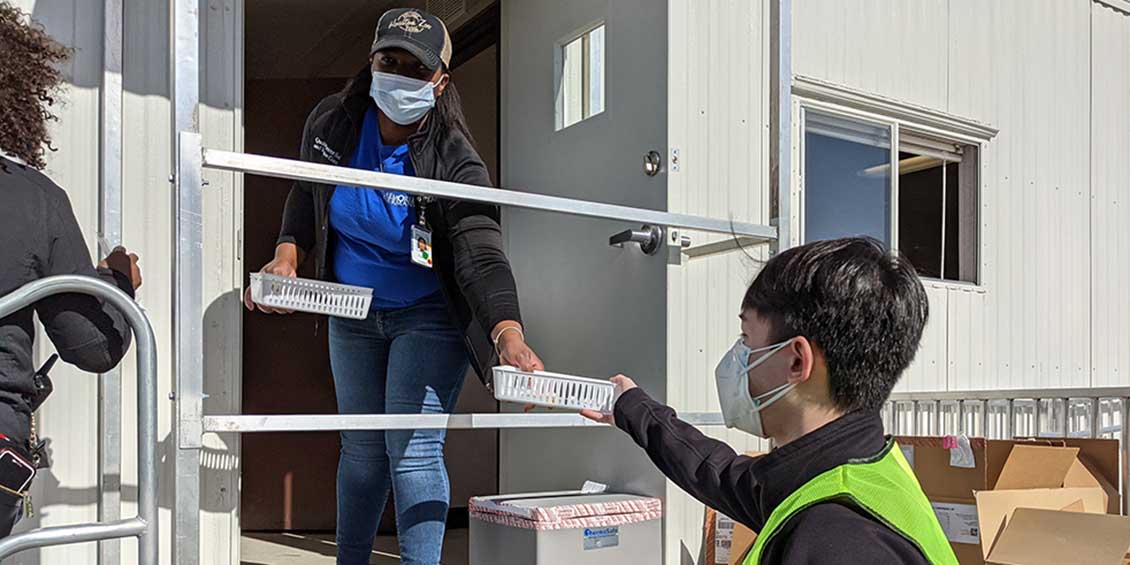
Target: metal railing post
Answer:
pixel 1037 413
pixel 1010 420
pixel 144 525
pixel 189 332
pixel 984 412
pixel 110 230
pixel 1066 417
pixel 780 115
pixel 1093 416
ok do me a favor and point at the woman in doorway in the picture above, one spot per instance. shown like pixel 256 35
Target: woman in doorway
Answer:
pixel 434 311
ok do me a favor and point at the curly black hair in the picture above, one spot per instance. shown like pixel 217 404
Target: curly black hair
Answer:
pixel 29 83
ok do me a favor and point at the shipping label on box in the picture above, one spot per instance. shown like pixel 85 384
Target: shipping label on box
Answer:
pixel 723 538
pixel 958 521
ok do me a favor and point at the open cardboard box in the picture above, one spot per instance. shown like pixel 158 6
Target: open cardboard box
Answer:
pixel 975 500
pixel 1035 536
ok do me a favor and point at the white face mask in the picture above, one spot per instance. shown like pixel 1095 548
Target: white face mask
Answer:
pixel 404 100
pixel 739 409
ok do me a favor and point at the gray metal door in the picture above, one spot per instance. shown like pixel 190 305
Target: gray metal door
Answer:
pixel 590 309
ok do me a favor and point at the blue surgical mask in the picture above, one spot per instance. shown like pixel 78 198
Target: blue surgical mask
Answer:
pixel 403 99
pixel 740 410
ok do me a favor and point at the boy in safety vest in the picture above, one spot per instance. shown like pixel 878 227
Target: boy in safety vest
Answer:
pixel 827 329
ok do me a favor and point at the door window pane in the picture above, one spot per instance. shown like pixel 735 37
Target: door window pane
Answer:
pixel 580 78
pixel 847 178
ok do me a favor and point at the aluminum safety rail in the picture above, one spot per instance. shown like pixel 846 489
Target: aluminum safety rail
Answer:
pixel 338 422
pixel 334 175
pixel 144 525
pixel 1001 414
pixel 197 157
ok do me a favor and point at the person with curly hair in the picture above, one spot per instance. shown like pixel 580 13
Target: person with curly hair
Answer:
pixel 39 237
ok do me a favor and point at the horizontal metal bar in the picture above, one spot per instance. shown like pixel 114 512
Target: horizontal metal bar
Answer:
pixel 338 422
pixel 1011 394
pixel 329 174
pixel 723 246
pixel 63 535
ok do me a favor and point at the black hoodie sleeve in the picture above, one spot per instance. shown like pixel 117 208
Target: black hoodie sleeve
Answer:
pixel 482 269
pixel 87 333
pixel 706 468
pixel 298 219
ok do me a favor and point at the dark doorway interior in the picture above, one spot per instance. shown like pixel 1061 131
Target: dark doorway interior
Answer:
pixel 297 54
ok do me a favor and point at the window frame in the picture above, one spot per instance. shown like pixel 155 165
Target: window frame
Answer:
pixel 826 98
pixel 559 75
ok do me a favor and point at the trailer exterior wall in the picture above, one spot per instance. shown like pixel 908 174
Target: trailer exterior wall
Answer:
pixel 718 120
pixel 1110 194
pixel 67 493
pixel 1054 77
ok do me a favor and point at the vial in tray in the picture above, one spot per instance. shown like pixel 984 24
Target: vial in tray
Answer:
pixel 553 389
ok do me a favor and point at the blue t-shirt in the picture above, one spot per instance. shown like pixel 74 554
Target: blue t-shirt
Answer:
pixel 374 228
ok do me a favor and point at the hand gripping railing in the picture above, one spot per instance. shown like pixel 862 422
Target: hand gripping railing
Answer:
pixel 144 525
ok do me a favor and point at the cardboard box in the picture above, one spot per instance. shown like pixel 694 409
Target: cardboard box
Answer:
pixel 743 542
pixel 1051 537
pixel 994 477
pixel 724 541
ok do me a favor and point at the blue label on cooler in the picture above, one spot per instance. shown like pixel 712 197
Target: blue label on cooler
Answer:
pixel 600 538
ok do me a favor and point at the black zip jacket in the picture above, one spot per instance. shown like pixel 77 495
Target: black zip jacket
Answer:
pixel 475 276
pixel 39 237
pixel 748 489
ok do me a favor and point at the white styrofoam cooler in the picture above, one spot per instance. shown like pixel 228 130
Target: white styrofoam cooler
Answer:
pixel 570 528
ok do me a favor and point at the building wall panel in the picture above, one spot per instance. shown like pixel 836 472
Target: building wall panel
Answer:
pixel 718 111
pixel 67 493
pixel 1110 194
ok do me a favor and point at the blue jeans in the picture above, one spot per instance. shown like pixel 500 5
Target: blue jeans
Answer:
pixel 405 361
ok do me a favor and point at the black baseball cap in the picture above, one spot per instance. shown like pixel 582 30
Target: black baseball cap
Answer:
pixel 416 32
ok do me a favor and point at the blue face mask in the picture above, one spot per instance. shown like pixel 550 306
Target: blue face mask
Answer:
pixel 404 100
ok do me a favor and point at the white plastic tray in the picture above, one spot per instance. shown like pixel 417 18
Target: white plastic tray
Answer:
pixel 307 295
pixel 553 389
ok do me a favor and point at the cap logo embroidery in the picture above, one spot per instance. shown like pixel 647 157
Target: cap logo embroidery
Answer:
pixel 411 22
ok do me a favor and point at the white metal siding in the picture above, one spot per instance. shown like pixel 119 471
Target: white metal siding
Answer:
pixel 891 47
pixel 221 126
pixel 67 494
pixel 1047 250
pixel 718 108
pixel 1110 195
pixel 1024 68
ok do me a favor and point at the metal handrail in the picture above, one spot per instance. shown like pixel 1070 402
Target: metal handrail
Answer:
pixel 1088 426
pixel 144 525
pixel 315 172
pixel 1014 394
pixel 251 423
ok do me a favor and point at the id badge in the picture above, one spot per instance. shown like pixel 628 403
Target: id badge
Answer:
pixel 422 246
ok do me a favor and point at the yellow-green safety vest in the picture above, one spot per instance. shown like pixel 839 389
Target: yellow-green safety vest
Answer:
pixel 885 487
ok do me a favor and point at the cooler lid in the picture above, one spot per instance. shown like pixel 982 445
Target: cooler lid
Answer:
pixel 554 507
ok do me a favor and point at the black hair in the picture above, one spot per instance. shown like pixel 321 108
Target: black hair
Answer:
pixel 449 111
pixel 863 306
pixel 30 82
